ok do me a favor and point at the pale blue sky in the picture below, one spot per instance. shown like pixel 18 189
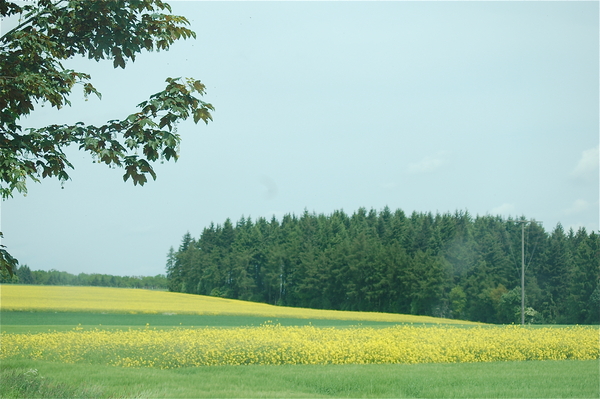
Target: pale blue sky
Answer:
pixel 490 107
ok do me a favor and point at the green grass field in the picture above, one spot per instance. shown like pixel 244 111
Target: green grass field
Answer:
pixel 26 378
pixel 23 322
pixel 547 379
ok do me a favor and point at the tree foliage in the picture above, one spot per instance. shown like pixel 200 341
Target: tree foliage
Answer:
pixel 32 73
pixel 24 275
pixel 449 265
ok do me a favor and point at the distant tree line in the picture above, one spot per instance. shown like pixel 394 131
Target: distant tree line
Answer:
pixel 446 265
pixel 24 275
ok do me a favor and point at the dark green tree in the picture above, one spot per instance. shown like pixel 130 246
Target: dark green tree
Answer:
pixel 509 307
pixel 479 284
pixel 458 301
pixel 32 73
pixel 554 276
pixel 173 270
pixel 426 280
pixel 460 248
pixel 583 278
pixel 470 268
pixel 25 276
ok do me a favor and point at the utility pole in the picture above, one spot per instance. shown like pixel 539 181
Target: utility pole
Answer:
pixel 523 222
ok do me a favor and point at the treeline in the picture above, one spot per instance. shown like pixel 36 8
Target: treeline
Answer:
pixel 445 265
pixel 24 275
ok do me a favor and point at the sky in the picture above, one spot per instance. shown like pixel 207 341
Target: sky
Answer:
pixel 488 107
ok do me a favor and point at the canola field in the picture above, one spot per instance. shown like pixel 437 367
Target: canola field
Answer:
pixel 136 301
pixel 277 345
pixel 269 344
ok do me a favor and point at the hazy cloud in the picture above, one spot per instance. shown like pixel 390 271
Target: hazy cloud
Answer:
pixel 578 206
pixel 504 209
pixel 427 164
pixel 588 163
pixel 270 187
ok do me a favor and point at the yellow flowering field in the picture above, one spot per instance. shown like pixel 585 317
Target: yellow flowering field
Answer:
pixel 275 345
pixel 125 300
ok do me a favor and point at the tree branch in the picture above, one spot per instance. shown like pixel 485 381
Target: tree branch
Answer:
pixel 30 19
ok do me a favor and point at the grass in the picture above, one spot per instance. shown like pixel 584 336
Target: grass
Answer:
pixel 34 322
pixel 28 383
pixel 547 379
pixel 20 322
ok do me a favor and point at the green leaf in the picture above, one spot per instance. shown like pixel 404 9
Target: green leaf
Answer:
pixel 31 56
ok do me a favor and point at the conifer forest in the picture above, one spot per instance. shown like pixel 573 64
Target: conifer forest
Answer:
pixel 450 265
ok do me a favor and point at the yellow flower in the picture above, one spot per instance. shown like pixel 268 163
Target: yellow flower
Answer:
pixel 273 344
